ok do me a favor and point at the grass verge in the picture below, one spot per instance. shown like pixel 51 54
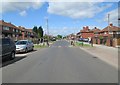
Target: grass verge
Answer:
pixel 84 45
pixel 39 46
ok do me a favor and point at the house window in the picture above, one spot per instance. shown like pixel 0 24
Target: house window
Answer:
pixel 110 32
pixel 105 33
pixel 6 28
pixel 118 33
pixel 16 30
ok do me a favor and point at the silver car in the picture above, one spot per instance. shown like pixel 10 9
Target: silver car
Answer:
pixel 24 46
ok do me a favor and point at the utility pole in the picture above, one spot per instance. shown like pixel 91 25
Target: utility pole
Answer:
pixel 108 22
pixel 47 27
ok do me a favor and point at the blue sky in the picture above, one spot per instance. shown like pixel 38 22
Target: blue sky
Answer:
pixel 63 17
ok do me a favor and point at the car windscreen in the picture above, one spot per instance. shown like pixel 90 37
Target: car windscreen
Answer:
pixel 21 42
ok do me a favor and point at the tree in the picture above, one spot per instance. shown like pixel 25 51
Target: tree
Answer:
pixel 35 29
pixel 59 36
pixel 40 32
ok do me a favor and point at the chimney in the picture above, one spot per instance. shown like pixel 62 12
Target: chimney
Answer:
pixel 111 24
pixel 83 27
pixel 9 22
pixel 2 20
pixel 87 27
pixel 19 26
pixel 95 27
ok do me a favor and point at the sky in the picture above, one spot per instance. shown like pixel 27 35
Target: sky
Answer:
pixel 63 17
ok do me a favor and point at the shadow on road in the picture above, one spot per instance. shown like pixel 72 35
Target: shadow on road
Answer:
pixel 8 62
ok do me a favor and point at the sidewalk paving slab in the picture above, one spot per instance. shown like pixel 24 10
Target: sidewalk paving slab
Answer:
pixel 107 54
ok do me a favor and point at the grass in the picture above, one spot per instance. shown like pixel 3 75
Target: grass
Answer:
pixel 84 45
pixel 39 46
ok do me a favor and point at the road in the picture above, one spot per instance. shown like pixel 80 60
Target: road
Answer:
pixel 59 63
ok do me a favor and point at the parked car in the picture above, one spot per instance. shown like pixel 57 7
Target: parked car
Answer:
pixel 8 48
pixel 85 40
pixel 24 46
pixel 80 39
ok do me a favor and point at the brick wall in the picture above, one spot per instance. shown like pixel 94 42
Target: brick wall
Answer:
pixel 109 42
pixel 86 35
pixel 118 41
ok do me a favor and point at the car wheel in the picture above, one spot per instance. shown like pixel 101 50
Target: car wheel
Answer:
pixel 12 55
pixel 32 48
pixel 26 50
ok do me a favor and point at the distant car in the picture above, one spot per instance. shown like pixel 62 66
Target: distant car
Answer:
pixel 8 48
pixel 24 46
pixel 53 39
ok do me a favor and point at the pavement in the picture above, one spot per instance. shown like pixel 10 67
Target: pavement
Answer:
pixel 105 53
pixel 60 63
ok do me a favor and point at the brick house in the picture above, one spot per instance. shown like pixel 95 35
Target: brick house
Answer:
pixel 109 36
pixel 31 34
pixel 96 36
pixel 23 31
pixel 111 31
pixel 9 30
pixel 27 33
pixel 86 32
pixel 14 32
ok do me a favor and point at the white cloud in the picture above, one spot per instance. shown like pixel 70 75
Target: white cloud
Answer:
pixel 63 30
pixel 19 6
pixel 77 9
pixel 23 13
pixel 113 18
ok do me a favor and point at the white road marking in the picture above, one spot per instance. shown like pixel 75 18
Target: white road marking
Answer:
pixel 70 46
pixel 59 46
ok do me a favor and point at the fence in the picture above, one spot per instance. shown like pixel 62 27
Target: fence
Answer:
pixel 108 41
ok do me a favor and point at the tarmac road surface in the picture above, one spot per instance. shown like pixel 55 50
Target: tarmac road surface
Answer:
pixel 59 63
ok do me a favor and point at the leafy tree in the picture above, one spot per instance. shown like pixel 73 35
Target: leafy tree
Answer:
pixel 45 36
pixel 35 29
pixel 59 36
pixel 40 32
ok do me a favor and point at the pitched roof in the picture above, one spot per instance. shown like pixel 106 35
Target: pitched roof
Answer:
pixel 96 30
pixel 21 28
pixel 111 28
pixel 78 33
pixel 7 24
pixel 29 30
pixel 86 31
